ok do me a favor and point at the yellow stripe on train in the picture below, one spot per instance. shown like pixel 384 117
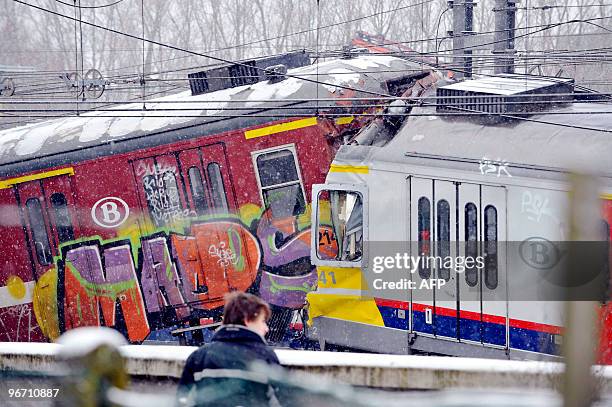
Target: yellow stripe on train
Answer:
pixel 359 169
pixel 279 128
pixel 345 120
pixel 48 174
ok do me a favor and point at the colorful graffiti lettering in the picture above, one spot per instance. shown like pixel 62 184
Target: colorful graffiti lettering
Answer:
pixel 139 284
pixel 88 285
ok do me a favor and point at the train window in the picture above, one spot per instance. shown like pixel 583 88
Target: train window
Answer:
pixel 490 247
pixel 219 198
pixel 196 183
pixel 39 231
pixel 424 230
pixel 163 200
pixel 345 213
pixel 281 187
pixel 63 224
pixel 443 225
pixel 471 242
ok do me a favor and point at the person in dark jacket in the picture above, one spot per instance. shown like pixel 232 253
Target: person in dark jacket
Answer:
pixel 234 346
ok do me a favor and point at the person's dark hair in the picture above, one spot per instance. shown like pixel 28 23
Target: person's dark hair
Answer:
pixel 241 307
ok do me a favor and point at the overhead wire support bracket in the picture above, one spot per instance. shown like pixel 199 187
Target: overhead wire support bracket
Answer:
pixel 91 85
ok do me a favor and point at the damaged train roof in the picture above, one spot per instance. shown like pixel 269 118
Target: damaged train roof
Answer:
pixel 575 135
pixel 365 75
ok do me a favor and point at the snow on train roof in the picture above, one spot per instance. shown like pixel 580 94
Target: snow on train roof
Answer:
pixel 100 127
pixel 556 139
pixel 505 85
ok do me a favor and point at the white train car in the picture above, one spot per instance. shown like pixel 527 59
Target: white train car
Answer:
pixel 450 179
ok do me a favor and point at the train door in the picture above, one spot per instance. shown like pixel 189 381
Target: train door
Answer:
pixel 162 195
pixel 421 221
pixel 204 171
pixel 48 213
pixel 434 234
pixel 189 192
pixel 483 307
pixel 493 276
pixel 444 238
pixel 209 194
pixel 214 164
pixel 181 185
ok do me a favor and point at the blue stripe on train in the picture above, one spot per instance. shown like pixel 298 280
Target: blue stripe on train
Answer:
pixel 523 339
pixel 535 341
pixel 391 318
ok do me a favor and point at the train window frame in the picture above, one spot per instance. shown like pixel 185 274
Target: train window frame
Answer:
pixel 443 272
pixel 471 230
pixel 150 206
pixel 424 271
pixel 292 149
pixel 46 249
pixel 200 201
pixel 314 237
pixel 490 271
pixel 214 188
pixel 65 233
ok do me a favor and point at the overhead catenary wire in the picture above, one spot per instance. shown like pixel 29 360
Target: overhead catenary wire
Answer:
pixel 343 99
pixel 466 113
pixel 391 53
pixel 175 47
pixel 310 30
pixel 323 27
pixel 552 58
pixel 163 45
pixel 89 7
pixel 339 23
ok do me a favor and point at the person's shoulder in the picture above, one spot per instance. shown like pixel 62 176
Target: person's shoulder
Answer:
pixel 272 358
pixel 197 356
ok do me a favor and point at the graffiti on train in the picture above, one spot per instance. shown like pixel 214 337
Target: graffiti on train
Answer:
pixel 139 285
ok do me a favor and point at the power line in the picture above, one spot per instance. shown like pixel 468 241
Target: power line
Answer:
pixel 89 7
pixel 310 30
pixel 182 49
pixel 549 26
pixel 328 99
pixel 466 112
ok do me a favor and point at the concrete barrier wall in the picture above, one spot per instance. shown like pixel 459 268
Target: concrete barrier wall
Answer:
pixel 401 372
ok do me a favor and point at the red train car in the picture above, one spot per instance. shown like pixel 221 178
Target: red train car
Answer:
pixel 143 220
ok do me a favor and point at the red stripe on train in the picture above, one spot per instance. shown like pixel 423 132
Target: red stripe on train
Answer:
pixel 381 302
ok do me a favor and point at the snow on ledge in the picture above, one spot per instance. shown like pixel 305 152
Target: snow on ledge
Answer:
pixel 300 358
pixel 315 358
pixel 29 348
pixel 160 352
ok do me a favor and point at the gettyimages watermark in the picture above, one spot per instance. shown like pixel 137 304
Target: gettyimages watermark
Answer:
pixel 412 264
pixel 535 269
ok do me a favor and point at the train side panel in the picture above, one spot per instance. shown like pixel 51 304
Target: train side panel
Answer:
pixel 17 285
pixel 535 215
pixel 507 320
pixel 147 240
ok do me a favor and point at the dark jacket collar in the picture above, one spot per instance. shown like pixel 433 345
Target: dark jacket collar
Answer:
pixel 237 333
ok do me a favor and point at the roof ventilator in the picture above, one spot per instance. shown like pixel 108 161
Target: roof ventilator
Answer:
pixel 350 52
pixel 275 73
pixel 505 94
pixel 243 73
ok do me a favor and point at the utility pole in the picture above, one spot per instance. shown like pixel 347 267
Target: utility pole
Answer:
pixel 503 47
pixel 463 21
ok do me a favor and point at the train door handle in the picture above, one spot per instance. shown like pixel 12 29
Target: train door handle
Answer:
pixel 428 316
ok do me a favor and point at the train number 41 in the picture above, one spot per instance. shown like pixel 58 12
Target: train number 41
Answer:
pixel 323 277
